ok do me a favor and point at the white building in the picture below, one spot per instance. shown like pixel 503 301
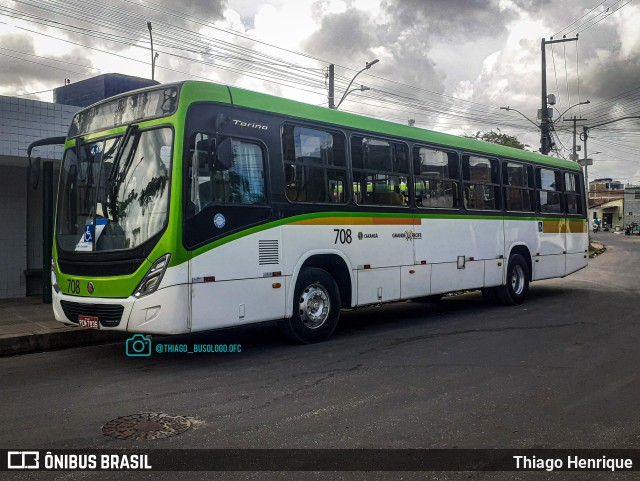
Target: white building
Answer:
pixel 23 121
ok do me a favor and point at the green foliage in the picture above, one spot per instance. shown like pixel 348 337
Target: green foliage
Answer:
pixel 497 137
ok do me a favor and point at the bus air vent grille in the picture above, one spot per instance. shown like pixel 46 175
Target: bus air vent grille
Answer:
pixel 109 315
pixel 268 252
pixel 99 269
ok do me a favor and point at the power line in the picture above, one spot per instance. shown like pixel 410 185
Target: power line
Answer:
pixel 609 14
pixel 576 21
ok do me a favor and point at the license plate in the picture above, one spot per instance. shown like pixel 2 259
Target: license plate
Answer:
pixel 88 321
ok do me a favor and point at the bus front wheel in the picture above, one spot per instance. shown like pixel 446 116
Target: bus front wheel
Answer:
pixel 515 290
pixel 316 307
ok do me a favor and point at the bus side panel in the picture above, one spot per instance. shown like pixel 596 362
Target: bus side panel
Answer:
pixel 380 246
pixel 575 262
pixel 447 277
pixel 577 246
pixel 521 232
pixel 550 249
pixel 231 303
pixel 378 285
pixel 457 250
pixel 234 283
pixel 415 281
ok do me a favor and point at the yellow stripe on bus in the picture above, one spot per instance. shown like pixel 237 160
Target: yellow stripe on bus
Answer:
pixel 563 226
pixel 360 221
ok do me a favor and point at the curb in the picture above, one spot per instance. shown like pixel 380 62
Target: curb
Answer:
pixel 57 340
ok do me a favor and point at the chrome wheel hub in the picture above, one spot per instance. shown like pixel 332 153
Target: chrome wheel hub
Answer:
pixel 517 280
pixel 314 305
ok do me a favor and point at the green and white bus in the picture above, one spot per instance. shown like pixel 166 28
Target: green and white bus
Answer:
pixel 195 206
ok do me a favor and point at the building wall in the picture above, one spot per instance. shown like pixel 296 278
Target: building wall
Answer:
pixel 13 231
pixel 611 210
pixel 632 205
pixel 92 90
pixel 23 121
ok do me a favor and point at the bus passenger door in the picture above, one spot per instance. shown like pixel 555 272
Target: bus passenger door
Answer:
pixel 236 268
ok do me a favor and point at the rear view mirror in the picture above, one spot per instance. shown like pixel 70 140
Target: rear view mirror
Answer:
pixel 34 172
pixel 34 167
pixel 224 155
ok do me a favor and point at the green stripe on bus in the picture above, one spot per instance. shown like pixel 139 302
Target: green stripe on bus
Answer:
pixel 317 215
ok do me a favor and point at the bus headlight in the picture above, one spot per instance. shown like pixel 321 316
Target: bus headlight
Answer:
pixel 54 278
pixel 151 280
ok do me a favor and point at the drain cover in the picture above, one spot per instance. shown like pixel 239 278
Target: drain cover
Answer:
pixel 146 426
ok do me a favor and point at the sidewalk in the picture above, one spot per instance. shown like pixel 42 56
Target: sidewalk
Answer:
pixel 28 325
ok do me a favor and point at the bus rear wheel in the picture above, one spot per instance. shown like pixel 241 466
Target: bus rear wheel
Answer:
pixel 316 307
pixel 515 290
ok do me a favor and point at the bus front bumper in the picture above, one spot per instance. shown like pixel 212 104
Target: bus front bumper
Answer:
pixel 165 311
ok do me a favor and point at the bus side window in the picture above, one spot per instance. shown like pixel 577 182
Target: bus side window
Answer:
pixel 519 187
pixel 549 184
pixel 573 193
pixel 314 164
pixel 481 182
pixel 238 178
pixel 436 178
pixel 380 171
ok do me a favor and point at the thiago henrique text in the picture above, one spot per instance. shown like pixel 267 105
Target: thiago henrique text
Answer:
pixel 573 462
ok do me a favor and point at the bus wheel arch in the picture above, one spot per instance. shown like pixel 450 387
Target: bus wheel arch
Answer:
pixel 337 267
pixel 524 251
pixel 518 275
pixel 316 307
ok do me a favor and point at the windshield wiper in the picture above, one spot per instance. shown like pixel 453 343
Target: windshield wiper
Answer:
pixel 115 178
pixel 131 129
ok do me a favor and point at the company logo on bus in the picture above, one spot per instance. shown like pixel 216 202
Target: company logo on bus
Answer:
pixel 408 235
pixel 90 287
pixel 367 236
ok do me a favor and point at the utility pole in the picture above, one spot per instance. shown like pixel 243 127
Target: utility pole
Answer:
pixel 585 161
pixel 331 86
pixel 585 135
pixel 545 120
pixel 574 153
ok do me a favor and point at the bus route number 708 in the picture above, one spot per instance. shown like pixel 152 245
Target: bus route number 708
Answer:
pixel 343 236
pixel 73 286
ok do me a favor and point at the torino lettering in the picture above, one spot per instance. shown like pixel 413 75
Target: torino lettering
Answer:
pixel 250 125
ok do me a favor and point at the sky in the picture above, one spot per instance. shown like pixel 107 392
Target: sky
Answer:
pixel 448 65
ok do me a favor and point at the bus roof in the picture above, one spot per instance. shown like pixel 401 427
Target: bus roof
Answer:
pixel 270 103
pixel 197 91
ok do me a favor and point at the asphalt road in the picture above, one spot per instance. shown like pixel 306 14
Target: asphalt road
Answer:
pixel 560 371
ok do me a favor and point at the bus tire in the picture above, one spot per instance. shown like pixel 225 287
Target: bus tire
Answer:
pixel 515 290
pixel 316 307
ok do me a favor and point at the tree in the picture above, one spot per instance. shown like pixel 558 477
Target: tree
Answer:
pixel 497 137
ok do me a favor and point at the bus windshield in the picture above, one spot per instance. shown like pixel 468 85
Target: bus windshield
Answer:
pixel 114 193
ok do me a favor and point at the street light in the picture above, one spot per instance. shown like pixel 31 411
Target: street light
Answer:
pixel 153 57
pixel 508 109
pixel 550 123
pixel 362 88
pixel 575 105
